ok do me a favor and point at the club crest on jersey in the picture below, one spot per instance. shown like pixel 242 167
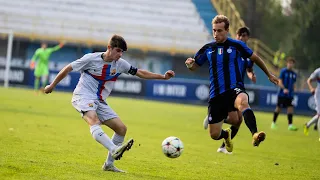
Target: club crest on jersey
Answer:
pixel 90 105
pixel 113 72
pixel 220 51
pixel 229 50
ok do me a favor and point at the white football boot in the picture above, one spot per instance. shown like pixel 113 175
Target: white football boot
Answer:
pixel 117 153
pixel 112 168
pixel 223 150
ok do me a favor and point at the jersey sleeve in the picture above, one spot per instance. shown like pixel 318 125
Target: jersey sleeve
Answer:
pixel 244 50
pixel 55 48
pixel 250 64
pixel 201 56
pixel 35 56
pixel 127 68
pixel 81 64
pixel 315 75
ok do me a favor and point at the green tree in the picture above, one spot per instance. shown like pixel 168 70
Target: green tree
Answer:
pixel 294 32
pixel 306 39
pixel 266 20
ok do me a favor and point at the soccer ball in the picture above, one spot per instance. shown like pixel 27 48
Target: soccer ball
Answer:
pixel 172 147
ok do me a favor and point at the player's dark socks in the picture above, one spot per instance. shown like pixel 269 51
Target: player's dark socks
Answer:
pixel 224 134
pixel 250 120
pixel 315 126
pixel 290 119
pixel 275 116
pixel 234 131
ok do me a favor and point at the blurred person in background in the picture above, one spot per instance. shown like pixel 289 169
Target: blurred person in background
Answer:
pixel 40 64
pixel 287 82
pixel 315 76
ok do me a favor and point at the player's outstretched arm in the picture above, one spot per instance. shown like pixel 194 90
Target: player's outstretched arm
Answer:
pixel 57 47
pixel 150 75
pixel 256 59
pixel 62 74
pixel 311 88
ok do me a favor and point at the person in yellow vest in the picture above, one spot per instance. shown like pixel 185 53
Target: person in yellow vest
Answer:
pixel 279 59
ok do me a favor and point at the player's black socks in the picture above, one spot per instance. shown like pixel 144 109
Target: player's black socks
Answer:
pixel 275 116
pixel 250 120
pixel 234 131
pixel 223 134
pixel 290 119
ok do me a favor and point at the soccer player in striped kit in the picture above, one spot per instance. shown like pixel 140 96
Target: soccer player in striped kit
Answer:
pixel 315 76
pixel 235 117
pixel 99 71
pixel 226 83
pixel 287 82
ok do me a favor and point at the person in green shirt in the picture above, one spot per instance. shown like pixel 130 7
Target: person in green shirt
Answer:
pixel 40 64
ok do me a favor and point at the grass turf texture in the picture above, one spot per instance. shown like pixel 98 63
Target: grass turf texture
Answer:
pixel 43 137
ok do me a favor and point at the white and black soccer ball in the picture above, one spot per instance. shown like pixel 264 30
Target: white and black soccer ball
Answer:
pixel 172 147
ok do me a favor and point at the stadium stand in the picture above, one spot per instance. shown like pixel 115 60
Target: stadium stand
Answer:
pixel 167 25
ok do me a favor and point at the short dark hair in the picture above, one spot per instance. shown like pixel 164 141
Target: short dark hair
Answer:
pixel 291 59
pixel 119 42
pixel 220 19
pixel 242 30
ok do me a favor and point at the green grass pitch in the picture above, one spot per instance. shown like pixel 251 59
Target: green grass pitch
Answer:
pixel 43 137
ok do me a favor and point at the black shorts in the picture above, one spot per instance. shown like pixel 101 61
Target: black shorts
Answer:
pixel 221 105
pixel 284 102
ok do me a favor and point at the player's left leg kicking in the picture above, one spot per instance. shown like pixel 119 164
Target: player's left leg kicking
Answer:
pixel 95 112
pixel 114 123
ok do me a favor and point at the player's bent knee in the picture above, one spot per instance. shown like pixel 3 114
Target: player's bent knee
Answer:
pixel 215 135
pixel 122 130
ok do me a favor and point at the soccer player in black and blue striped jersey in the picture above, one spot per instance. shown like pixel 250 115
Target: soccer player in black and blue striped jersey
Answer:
pixel 285 94
pixel 226 83
pixel 235 117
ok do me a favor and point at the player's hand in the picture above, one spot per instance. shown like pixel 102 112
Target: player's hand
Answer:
pixel 169 74
pixel 254 78
pixel 189 62
pixel 273 79
pixel 313 90
pixel 285 91
pixel 61 44
pixel 48 89
pixel 32 64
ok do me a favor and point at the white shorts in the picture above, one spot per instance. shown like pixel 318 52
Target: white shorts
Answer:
pixel 102 109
